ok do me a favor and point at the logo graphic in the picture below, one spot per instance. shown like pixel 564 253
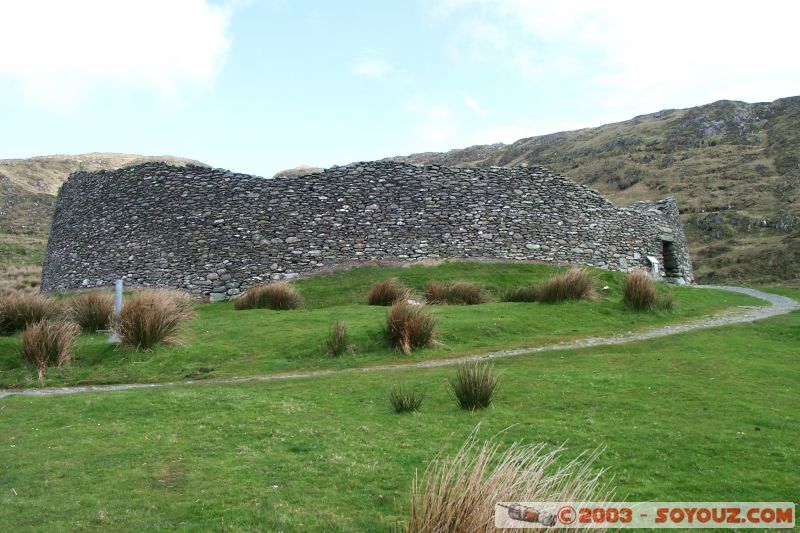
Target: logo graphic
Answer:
pixel 529 514
pixel 645 515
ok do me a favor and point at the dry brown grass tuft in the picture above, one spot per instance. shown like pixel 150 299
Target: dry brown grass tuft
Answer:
pixel 436 292
pixel 153 316
pixel 574 284
pixel 640 293
pixel 409 326
pixel 459 493
pixel 182 301
pixel 48 343
pixel 456 293
pixel 387 292
pixel 20 309
pixel 92 311
pixel 279 296
pixel 336 343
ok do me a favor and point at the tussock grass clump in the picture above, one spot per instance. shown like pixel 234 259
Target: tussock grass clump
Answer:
pixel 409 326
pixel 474 385
pixel 640 293
pixel 527 293
pixel 405 400
pixel 574 284
pixel 387 292
pixel 279 296
pixel 92 311
pixel 48 343
pixel 21 309
pixel 182 301
pixel 336 342
pixel 153 316
pixel 436 292
pixel 455 293
pixel 459 493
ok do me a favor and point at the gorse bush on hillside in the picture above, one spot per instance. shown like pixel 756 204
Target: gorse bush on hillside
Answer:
pixel 280 296
pixel 409 326
pixel 20 309
pixel 459 493
pixel 48 343
pixel 455 293
pixel 92 311
pixel 153 316
pixel 387 292
pixel 574 284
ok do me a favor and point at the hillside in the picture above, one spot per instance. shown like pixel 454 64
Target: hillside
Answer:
pixel 734 168
pixel 27 197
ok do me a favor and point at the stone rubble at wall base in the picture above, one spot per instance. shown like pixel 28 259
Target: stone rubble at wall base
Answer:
pixel 214 232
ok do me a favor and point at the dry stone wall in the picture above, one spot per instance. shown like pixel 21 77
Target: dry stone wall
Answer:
pixel 215 232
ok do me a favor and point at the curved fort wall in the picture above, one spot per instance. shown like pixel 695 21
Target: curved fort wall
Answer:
pixel 215 232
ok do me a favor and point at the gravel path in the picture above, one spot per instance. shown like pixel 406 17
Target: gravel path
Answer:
pixel 779 305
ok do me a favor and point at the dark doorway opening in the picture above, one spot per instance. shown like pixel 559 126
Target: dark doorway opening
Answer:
pixel 671 268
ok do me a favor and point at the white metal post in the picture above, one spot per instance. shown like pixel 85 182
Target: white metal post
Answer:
pixel 114 338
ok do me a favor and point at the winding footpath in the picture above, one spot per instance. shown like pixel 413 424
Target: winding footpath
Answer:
pixel 779 305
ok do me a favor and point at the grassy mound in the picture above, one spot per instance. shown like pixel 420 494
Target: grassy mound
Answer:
pixel 221 341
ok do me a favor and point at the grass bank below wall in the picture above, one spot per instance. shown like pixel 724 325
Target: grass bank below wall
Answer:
pixel 223 342
pixel 711 415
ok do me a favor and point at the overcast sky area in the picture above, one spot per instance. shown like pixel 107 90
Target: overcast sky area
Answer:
pixel 262 85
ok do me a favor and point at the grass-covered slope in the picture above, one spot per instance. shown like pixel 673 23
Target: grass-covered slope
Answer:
pixel 223 342
pixel 712 415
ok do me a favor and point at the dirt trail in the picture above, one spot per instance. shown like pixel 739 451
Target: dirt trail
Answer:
pixel 779 305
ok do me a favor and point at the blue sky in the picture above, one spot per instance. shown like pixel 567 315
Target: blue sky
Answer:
pixel 262 85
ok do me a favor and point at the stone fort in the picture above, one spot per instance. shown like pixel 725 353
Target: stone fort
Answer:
pixel 214 232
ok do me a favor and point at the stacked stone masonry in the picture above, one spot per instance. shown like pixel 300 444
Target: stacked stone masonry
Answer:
pixel 215 232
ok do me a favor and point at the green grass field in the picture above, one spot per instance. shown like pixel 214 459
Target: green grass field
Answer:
pixel 240 343
pixel 712 415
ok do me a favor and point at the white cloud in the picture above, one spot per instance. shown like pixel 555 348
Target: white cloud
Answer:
pixel 436 127
pixel 631 55
pixel 372 66
pixel 474 106
pixel 60 52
